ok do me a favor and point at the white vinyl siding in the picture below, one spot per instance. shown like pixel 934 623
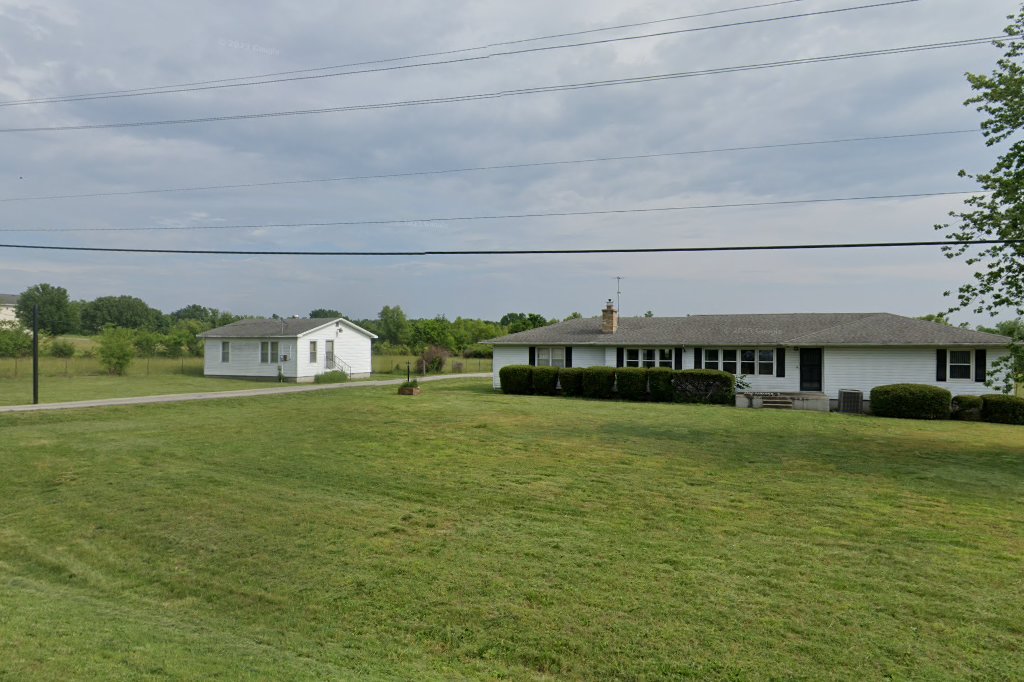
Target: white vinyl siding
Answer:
pixel 509 355
pixel 862 369
pixel 588 356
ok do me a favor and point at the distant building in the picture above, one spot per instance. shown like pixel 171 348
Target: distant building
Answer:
pixel 7 303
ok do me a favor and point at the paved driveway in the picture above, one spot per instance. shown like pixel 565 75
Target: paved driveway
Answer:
pixel 218 395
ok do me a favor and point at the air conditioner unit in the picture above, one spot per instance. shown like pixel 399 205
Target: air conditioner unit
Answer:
pixel 284 358
pixel 850 401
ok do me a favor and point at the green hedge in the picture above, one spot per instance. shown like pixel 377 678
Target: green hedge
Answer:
pixel 659 382
pixel 571 380
pixel 1002 409
pixel 911 401
pixel 516 379
pixel 967 408
pixel 545 380
pixel 709 386
pixel 599 382
pixel 631 383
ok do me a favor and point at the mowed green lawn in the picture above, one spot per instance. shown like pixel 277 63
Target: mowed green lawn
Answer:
pixel 466 534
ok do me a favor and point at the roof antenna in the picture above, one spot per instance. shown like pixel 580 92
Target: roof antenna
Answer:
pixel 618 294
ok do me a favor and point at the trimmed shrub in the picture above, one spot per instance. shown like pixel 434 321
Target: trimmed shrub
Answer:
pixel 433 358
pixel 478 350
pixel 709 386
pixel 599 382
pixel 545 380
pixel 62 349
pixel 659 380
pixel 571 380
pixel 1002 409
pixel 335 377
pixel 631 383
pixel 911 401
pixel 967 408
pixel 116 349
pixel 516 379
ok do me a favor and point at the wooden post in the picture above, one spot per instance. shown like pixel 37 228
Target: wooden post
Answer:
pixel 35 354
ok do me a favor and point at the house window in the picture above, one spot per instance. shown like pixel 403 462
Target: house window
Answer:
pixel 551 357
pixel 648 357
pixel 750 361
pixel 268 352
pixel 225 351
pixel 312 352
pixel 960 364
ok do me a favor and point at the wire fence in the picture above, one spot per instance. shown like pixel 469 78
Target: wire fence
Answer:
pixel 14 368
pixel 399 364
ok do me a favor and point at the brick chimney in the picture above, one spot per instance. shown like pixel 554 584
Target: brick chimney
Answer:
pixel 609 318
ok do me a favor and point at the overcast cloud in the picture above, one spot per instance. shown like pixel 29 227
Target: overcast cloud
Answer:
pixel 53 47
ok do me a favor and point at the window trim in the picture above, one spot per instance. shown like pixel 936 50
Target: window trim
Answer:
pixel 550 360
pixel 649 357
pixel 738 361
pixel 950 364
pixel 270 352
pixel 225 351
pixel 313 357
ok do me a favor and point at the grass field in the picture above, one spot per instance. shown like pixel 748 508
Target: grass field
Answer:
pixel 467 534
pixel 396 364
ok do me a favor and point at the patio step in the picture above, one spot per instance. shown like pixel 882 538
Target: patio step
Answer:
pixel 777 403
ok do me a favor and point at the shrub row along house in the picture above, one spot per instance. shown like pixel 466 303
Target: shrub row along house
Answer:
pixel 804 355
pixel 292 349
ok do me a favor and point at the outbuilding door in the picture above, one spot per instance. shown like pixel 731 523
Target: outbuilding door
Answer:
pixel 329 352
pixel 810 369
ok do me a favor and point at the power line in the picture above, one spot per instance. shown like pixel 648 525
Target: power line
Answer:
pixel 524 252
pixel 507 166
pixel 283 79
pixel 507 216
pixel 520 91
pixel 397 59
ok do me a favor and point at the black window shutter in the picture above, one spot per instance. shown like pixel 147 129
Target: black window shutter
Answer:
pixel 980 364
pixel 568 356
pixel 698 358
pixel 940 364
pixel 780 362
pixel 533 356
pixel 620 357
pixel 678 362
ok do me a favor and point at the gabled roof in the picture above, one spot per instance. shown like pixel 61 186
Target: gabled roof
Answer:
pixel 277 328
pixel 791 329
pixel 9 299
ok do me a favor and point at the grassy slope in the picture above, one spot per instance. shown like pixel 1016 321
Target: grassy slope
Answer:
pixel 359 534
pixel 57 389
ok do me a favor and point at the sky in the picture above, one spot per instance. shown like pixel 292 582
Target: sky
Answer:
pixel 52 48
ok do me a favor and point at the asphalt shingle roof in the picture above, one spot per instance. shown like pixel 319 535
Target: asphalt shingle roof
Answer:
pixel 792 329
pixel 267 328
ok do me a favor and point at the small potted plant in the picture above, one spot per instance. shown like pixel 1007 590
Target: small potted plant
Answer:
pixel 410 387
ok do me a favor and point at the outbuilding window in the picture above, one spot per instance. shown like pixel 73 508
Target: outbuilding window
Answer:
pixel 312 352
pixel 225 351
pixel 268 352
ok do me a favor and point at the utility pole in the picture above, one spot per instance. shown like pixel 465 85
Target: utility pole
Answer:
pixel 35 354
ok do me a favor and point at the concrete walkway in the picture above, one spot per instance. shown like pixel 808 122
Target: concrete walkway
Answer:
pixel 219 395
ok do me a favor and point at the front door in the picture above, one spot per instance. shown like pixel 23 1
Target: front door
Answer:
pixel 329 352
pixel 810 369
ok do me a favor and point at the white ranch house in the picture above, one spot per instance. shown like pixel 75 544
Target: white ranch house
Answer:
pixel 301 348
pixel 804 355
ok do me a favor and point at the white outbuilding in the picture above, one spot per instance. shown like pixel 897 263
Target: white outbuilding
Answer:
pixel 297 349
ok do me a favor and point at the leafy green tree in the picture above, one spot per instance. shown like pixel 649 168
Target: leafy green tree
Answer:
pixel 574 316
pixel 116 349
pixel 128 312
pixel 520 322
pixel 435 332
pixel 393 326
pixel 56 314
pixel 146 343
pixel 649 313
pixel 937 318
pixel 15 340
pixel 323 313
pixel 1011 328
pixel 998 214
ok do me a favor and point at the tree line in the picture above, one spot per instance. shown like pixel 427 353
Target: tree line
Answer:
pixel 157 333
